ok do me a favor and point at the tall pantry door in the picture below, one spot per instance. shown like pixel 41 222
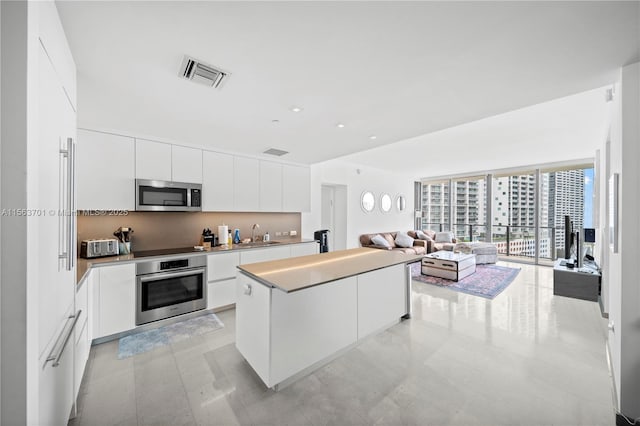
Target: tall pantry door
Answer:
pixel 56 234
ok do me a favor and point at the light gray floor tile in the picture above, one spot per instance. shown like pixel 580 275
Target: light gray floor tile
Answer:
pixel 525 358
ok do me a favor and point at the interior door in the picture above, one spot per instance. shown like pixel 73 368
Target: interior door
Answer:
pixel 327 213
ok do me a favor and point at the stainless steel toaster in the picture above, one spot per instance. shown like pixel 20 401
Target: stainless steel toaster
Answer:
pixel 98 248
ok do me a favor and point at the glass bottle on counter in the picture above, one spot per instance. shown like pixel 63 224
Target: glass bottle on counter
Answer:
pixel 229 240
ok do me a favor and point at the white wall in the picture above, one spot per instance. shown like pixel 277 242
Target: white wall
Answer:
pixel 621 269
pixel 13 288
pixel 340 172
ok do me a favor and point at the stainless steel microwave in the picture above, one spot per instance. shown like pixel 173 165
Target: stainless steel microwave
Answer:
pixel 164 196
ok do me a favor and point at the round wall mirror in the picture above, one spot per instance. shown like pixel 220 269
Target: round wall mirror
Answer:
pixel 368 201
pixel 385 203
pixel 401 203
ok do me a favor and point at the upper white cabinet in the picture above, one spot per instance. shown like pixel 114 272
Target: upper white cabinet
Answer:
pixel 153 160
pixel 270 186
pixel 106 168
pixel 246 184
pixel 186 164
pixel 163 161
pixel 217 182
pixel 110 163
pixel 296 187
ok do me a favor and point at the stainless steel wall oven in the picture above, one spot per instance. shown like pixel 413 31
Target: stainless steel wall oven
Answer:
pixel 165 288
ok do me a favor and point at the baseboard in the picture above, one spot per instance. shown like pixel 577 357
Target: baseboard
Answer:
pixel 602 312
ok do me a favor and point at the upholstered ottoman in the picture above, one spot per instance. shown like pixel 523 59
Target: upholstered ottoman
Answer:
pixel 485 252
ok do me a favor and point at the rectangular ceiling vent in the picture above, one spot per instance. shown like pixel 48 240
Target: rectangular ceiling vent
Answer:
pixel 276 152
pixel 199 72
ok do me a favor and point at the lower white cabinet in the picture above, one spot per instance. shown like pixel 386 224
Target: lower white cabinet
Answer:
pixel 55 386
pixel 221 293
pixel 82 338
pixel 381 299
pixel 282 334
pixel 221 266
pixel 265 254
pixel 304 249
pixel 117 299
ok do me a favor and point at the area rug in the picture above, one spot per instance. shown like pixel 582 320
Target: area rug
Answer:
pixel 167 334
pixel 488 281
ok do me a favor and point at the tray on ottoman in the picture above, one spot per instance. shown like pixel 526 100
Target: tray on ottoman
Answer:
pixel 449 265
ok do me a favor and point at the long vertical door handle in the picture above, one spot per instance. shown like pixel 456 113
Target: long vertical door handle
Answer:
pixel 71 250
pixel 63 180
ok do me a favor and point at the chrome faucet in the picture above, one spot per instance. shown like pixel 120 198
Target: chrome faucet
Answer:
pixel 253 231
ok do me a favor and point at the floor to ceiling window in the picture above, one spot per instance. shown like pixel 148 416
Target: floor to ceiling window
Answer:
pixel 513 217
pixel 564 192
pixel 469 206
pixel 522 213
pixel 435 205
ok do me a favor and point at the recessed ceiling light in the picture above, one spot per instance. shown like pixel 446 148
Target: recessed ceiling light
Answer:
pixel 340 126
pixel 275 121
pixel 296 109
pixel 373 137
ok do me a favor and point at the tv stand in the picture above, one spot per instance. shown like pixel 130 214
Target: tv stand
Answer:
pixel 579 283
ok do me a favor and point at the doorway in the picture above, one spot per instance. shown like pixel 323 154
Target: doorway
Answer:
pixel 334 215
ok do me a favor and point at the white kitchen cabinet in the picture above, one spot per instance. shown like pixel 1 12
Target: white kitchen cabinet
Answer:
pixel 296 188
pixel 246 184
pixel 264 254
pixel 83 330
pixel 117 297
pixel 313 335
pixel 278 348
pixel 217 182
pixel 304 249
pixel 270 186
pixel 153 160
pixel 186 164
pixel 106 171
pixel 382 299
pixel 221 277
pixel 47 392
pixel 221 266
pixel 221 293
pixel 55 387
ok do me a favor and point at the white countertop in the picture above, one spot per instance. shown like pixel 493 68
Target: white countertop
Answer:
pixel 298 273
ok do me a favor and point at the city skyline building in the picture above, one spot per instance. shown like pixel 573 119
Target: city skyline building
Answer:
pixel 513 206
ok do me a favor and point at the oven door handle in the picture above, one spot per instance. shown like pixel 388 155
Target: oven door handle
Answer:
pixel 164 275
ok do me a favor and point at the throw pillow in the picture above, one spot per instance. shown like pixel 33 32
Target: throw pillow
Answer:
pixel 444 237
pixel 403 240
pixel 422 236
pixel 430 233
pixel 379 240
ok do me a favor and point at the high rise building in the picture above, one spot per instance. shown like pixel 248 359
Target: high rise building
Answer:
pixel 566 197
pixel 513 206
pixel 435 205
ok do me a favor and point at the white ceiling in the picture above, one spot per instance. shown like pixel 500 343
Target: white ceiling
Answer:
pixel 396 70
pixel 563 130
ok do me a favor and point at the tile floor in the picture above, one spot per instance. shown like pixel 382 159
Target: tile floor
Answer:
pixel 524 358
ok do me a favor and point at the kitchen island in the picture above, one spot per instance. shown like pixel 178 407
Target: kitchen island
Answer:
pixel 295 315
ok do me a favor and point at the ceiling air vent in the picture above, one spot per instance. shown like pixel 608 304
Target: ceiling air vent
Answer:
pixel 199 72
pixel 276 152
